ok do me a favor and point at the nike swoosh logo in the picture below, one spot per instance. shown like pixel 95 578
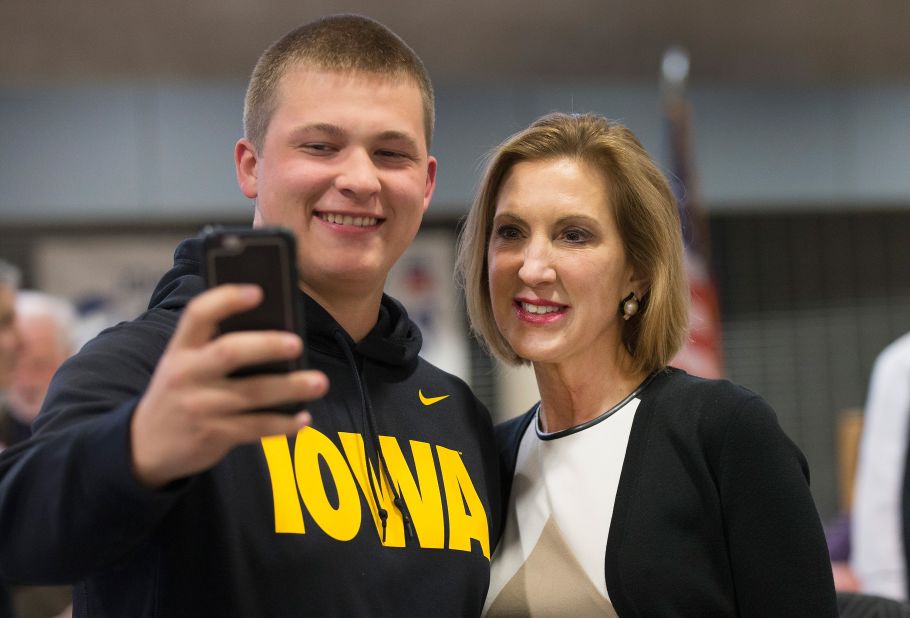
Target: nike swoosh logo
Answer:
pixel 428 401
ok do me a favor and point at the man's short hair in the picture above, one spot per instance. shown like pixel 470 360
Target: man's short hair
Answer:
pixel 344 43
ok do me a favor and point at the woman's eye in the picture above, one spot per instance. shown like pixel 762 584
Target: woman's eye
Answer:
pixel 575 235
pixel 507 232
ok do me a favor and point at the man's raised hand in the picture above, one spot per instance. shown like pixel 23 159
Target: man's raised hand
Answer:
pixel 192 413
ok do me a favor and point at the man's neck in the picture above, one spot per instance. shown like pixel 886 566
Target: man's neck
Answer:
pixel 356 313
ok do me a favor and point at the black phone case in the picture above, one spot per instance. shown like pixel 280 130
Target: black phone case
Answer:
pixel 268 258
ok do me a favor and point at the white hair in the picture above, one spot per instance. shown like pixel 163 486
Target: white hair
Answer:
pixel 59 310
pixel 9 274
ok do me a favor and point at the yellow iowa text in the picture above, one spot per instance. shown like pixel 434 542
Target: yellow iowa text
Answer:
pixel 297 484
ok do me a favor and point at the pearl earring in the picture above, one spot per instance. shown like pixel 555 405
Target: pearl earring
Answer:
pixel 629 306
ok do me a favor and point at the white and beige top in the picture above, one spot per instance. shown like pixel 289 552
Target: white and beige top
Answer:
pixel 550 560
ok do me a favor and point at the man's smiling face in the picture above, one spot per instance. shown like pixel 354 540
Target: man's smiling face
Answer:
pixel 344 165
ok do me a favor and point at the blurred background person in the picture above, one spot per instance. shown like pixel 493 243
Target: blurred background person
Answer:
pixel 44 329
pixel 880 524
pixel 9 281
pixel 9 340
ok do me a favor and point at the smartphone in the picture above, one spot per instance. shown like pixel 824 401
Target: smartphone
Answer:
pixel 267 257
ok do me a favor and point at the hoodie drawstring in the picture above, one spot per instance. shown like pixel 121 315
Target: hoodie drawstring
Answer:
pixel 372 437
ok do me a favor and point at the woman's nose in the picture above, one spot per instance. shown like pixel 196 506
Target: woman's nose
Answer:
pixel 537 267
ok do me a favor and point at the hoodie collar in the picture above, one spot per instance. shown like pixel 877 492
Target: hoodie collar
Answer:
pixel 394 340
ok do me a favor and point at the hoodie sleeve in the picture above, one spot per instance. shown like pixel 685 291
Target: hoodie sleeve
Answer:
pixel 69 502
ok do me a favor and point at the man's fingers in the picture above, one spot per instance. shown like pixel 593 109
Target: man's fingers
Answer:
pixel 258 392
pixel 251 427
pixel 233 351
pixel 239 395
pixel 200 319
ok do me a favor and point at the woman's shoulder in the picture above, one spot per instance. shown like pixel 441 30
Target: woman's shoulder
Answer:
pixel 728 421
pixel 710 404
pixel 675 384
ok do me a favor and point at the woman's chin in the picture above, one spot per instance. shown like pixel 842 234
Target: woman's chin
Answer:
pixel 538 353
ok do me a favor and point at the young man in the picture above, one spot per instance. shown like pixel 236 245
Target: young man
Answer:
pixel 151 484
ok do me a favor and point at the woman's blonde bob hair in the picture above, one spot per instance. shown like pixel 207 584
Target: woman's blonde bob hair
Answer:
pixel 646 216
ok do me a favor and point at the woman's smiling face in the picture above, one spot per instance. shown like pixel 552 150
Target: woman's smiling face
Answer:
pixel 556 263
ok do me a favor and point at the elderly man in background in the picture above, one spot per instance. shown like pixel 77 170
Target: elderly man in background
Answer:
pixel 9 281
pixel 9 342
pixel 42 336
pixel 44 328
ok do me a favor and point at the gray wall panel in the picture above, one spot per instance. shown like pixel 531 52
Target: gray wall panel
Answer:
pixel 165 151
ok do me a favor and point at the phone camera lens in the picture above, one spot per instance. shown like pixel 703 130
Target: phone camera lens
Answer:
pixel 232 243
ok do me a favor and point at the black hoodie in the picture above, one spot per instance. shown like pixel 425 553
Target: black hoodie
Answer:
pixel 286 527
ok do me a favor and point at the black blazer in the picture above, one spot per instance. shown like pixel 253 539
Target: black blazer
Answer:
pixel 713 515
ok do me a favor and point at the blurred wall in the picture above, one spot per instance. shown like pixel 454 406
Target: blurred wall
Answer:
pixel 164 152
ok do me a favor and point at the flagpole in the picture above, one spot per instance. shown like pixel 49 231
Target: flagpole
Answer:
pixel 701 354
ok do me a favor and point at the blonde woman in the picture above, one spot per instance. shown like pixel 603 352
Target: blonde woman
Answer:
pixel 636 489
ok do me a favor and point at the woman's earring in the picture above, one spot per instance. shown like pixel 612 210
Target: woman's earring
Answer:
pixel 629 306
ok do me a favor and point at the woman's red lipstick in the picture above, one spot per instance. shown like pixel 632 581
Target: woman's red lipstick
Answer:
pixel 539 311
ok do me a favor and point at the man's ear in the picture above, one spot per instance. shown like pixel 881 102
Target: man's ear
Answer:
pixel 431 182
pixel 245 160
